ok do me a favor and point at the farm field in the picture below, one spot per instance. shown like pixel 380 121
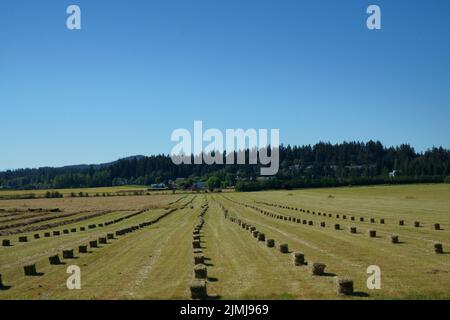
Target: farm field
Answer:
pixel 151 254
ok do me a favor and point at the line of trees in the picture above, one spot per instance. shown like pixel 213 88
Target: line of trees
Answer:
pixel 323 164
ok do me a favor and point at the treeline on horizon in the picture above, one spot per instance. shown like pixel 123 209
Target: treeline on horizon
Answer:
pixel 320 165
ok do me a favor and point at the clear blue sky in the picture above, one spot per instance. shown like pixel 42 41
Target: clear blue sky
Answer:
pixel 139 69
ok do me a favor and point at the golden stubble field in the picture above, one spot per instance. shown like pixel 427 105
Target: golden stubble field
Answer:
pixel 157 260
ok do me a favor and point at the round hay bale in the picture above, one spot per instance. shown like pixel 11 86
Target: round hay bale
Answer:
pixel 299 258
pixel 322 224
pixel 372 220
pixel 361 219
pixel 373 233
pixel 352 218
pixel 30 270
pixel 199 258
pixel 344 286
pixel 344 216
pixel 382 221
pixel 23 239
pixel 284 248
pixel 200 271
pixel 54 259
pixel 318 269
pixel 437 226
pixel 438 249
pixel 417 224
pixel 261 237
pixel 102 240
pixel 66 231
pixel 110 236
pixel 196 244
pixel 68 254
pixel 73 230
pixel 394 239
pixel 47 234
pixel 198 289
pixel 352 229
pixel 255 234
pixel 337 226
pixel 305 222
pixel 6 243
pixel 82 228
pixel 270 243
pixel 337 216
pixel 56 233
pixel 196 251
pixel 401 222
pixel 330 215
pixel 93 244
pixel 82 249
pixel 37 236
pixel 310 223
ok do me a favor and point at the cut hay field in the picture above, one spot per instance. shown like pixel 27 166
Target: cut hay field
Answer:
pixel 161 243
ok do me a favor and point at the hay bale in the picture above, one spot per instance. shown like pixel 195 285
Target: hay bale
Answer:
pixel 322 224
pixel 318 269
pixel 344 286
pixel 255 234
pixel 23 239
pixel 93 244
pixel 54 259
pixel 284 248
pixel 373 233
pixel 337 226
pixel 30 270
pixel 56 233
pixel 372 220
pixel 401 222
pixel 261 237
pixel 352 229
pixel 299 258
pixel 310 223
pixel 437 226
pixel 199 258
pixel 47 234
pixel 73 230
pixel 37 236
pixel 438 249
pixel 416 224
pixel 200 271
pixel 337 216
pixel 352 218
pixel 196 238
pixel 66 231
pixel 196 244
pixel 102 240
pixel 197 251
pixel 382 221
pixel 6 242
pixel 82 249
pixel 68 254
pixel 344 216
pixel 110 236
pixel 82 228
pixel 394 239
pixel 198 289
pixel 270 243
pixel 305 222
pixel 361 219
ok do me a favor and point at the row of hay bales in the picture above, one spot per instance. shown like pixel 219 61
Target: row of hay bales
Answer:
pixel 31 270
pixel 344 285
pixel 394 239
pixel 198 286
pixel 47 234
pixel 416 224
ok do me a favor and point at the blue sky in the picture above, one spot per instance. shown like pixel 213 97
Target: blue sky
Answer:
pixel 139 69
